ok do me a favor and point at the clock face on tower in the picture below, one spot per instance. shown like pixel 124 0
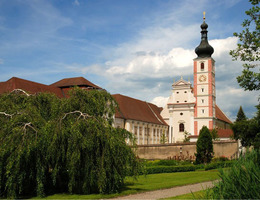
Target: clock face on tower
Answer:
pixel 202 78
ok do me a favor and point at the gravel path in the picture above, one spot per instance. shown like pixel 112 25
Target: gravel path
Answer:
pixel 171 192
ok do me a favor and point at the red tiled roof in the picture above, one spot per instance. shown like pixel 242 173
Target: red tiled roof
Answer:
pixel 135 109
pixel 77 81
pixel 221 116
pixel 222 133
pixel 27 86
pixel 225 133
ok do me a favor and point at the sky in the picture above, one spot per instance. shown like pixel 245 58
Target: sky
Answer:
pixel 133 47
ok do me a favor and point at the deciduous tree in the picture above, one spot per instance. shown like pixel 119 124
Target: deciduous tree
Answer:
pixel 248 49
pixel 53 145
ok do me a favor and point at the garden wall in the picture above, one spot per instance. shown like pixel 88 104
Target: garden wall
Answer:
pixel 184 151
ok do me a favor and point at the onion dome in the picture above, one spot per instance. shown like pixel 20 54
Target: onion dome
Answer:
pixel 204 49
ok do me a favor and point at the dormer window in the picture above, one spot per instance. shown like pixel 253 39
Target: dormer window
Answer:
pixel 177 101
pixel 201 66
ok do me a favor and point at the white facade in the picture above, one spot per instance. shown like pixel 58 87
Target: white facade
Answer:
pixel 144 133
pixel 179 111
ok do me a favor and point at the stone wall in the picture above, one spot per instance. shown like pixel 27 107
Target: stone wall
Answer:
pixel 185 151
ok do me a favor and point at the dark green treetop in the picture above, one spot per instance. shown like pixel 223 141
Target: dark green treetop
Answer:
pixel 204 146
pixel 240 115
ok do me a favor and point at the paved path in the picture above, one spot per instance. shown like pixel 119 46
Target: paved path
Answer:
pixel 171 192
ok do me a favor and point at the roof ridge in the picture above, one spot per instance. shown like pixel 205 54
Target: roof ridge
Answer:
pixel 223 114
pixel 154 113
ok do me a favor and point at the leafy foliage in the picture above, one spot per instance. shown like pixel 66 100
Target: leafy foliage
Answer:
pixel 170 169
pixel 248 49
pixel 62 145
pixel 247 129
pixel 204 146
pixel 163 138
pixel 214 134
pixel 241 181
pixel 186 136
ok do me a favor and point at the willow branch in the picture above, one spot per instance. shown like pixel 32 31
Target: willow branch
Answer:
pixel 20 90
pixel 29 125
pixel 6 114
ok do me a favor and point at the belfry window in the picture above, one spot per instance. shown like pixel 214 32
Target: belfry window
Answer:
pixel 201 66
pixel 181 127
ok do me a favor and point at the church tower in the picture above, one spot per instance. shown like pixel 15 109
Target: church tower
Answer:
pixel 204 83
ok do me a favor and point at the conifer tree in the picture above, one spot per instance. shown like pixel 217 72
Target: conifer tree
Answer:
pixel 204 146
pixel 240 115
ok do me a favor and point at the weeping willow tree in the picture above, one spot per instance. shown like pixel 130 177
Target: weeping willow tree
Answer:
pixel 50 145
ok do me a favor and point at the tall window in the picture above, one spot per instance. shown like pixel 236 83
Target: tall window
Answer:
pixel 202 67
pixel 181 127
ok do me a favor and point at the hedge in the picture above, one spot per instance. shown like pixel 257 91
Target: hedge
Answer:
pixel 216 165
pixel 169 169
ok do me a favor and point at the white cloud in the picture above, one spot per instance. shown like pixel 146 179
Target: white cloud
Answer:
pixel 160 101
pixel 76 2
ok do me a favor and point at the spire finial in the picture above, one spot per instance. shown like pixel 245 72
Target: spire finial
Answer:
pixel 204 13
pixel 181 77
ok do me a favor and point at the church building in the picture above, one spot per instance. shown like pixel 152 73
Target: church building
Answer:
pixel 190 108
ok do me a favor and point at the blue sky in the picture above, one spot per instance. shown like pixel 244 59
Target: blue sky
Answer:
pixel 132 47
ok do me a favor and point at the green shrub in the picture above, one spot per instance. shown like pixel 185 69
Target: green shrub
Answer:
pixel 216 165
pixel 169 169
pixel 241 181
pixel 166 163
pixel 221 158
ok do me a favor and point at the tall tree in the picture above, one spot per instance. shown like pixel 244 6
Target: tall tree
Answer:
pixel 248 49
pixel 240 115
pixel 204 146
pixel 53 145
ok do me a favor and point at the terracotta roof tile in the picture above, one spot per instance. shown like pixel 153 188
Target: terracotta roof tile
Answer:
pixel 135 109
pixel 221 116
pixel 77 81
pixel 27 86
pixel 222 133
pixel 225 133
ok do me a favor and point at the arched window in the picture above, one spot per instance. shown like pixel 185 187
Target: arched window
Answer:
pixel 202 67
pixel 181 127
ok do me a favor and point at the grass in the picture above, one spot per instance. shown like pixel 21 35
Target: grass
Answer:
pixel 148 183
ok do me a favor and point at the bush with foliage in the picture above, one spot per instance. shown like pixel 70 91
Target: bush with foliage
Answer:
pixel 51 145
pixel 169 169
pixel 241 181
pixel 220 164
pixel 167 163
pixel 204 147
pixel 247 129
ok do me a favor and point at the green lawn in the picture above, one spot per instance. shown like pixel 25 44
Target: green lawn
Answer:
pixel 150 182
